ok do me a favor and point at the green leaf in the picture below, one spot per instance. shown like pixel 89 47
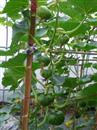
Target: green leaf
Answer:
pixel 19 36
pixel 89 93
pixel 41 32
pixel 9 80
pixel 71 60
pixel 20 27
pixel 84 80
pixel 36 65
pixel 70 82
pixel 87 65
pixel 58 80
pixel 94 65
pixel 12 77
pixel 4 117
pixel 82 125
pixel 67 8
pixel 4 22
pixel 69 25
pixel 5 53
pixel 5 109
pixel 13 49
pixel 85 6
pixel 19 30
pixel 13 7
pixel 15 71
pixel 94 77
pixel 17 61
pixel 77 9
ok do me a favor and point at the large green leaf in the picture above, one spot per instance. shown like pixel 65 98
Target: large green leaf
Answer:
pixel 77 9
pixel 19 33
pixel 5 53
pixel 20 27
pixel 4 117
pixel 69 25
pixel 5 109
pixel 67 8
pixel 85 6
pixel 12 77
pixel 58 80
pixel 36 65
pixel 15 71
pixel 13 7
pixel 70 82
pixel 89 93
pixel 17 61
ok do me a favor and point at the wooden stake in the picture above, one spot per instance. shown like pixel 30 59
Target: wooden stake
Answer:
pixel 28 76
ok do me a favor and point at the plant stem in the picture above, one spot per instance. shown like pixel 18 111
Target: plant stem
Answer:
pixel 28 75
pixel 38 81
pixel 53 38
pixel 45 117
pixel 75 29
pixel 55 28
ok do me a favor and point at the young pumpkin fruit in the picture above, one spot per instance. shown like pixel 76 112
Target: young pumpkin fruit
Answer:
pixel 46 73
pixel 44 13
pixel 45 60
pixel 45 99
pixel 64 39
pixel 56 118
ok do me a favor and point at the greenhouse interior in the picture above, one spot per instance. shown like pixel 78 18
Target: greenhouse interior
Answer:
pixel 48 65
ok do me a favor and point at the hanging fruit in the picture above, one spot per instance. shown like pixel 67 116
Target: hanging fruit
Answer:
pixel 44 13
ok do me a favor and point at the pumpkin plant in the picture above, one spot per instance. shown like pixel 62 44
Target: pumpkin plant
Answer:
pixel 57 41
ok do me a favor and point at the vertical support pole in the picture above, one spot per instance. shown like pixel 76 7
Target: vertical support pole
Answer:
pixel 28 75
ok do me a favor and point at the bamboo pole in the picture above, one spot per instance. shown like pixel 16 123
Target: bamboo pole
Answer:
pixel 28 75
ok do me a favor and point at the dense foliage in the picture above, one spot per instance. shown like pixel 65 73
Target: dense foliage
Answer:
pixel 64 42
